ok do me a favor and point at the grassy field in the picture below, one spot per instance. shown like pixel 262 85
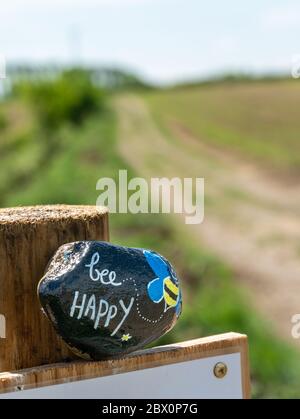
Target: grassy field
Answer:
pixel 213 301
pixel 258 120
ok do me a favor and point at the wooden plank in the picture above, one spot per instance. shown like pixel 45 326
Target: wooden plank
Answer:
pixel 213 346
pixel 29 237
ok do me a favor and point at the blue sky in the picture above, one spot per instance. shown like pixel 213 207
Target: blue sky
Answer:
pixel 163 40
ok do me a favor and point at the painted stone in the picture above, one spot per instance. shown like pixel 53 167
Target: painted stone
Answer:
pixel 106 300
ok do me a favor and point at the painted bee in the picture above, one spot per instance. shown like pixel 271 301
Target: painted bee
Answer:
pixel 166 285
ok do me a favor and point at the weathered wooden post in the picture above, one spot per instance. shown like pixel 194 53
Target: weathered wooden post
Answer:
pixel 29 236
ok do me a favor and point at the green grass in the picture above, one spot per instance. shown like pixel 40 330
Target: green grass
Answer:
pixel 71 176
pixel 213 301
pixel 258 120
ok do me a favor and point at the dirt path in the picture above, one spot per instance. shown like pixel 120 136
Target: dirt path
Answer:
pixel 251 221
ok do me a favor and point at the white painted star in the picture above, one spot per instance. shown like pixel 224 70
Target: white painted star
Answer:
pixel 125 338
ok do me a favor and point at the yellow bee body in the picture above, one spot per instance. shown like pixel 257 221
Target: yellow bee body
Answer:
pixel 171 292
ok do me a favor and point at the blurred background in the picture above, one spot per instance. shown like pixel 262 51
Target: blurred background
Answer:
pixel 172 88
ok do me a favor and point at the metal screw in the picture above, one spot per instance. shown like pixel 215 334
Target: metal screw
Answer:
pixel 220 370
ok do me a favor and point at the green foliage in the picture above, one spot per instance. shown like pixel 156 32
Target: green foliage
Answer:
pixel 109 78
pixel 128 81
pixel 69 98
pixel 213 301
pixel 3 122
pixel 82 157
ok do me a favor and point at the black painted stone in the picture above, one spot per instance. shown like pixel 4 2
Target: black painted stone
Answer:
pixel 106 300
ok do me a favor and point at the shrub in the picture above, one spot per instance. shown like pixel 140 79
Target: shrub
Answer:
pixel 69 98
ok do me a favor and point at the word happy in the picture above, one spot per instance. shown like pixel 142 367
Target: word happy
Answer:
pixel 99 310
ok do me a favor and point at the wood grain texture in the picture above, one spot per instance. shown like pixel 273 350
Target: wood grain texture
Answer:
pixel 29 237
pixel 79 370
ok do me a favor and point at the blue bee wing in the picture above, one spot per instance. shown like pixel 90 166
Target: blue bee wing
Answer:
pixel 157 264
pixel 156 290
pixel 178 307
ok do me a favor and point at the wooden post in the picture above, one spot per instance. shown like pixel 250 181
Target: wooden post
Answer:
pixel 29 237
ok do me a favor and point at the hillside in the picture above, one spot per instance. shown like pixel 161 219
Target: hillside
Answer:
pixel 135 132
pixel 257 121
pixel 243 139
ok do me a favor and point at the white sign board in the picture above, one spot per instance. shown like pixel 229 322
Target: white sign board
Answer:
pixel 177 378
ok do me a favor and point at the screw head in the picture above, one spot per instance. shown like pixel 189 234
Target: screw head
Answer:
pixel 220 370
